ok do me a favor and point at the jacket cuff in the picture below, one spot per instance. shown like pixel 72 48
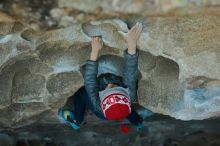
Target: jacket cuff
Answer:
pixel 92 62
pixel 131 60
pixel 126 54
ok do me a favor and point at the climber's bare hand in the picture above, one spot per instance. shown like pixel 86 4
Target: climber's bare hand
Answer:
pixel 97 45
pixel 132 37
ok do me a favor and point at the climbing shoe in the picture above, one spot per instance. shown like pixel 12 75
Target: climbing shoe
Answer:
pixel 68 117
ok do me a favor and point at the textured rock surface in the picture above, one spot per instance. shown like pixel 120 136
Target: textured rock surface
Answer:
pixel 133 6
pixel 179 66
pixel 192 43
pixel 156 131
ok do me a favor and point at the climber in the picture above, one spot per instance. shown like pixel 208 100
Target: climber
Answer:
pixel 108 96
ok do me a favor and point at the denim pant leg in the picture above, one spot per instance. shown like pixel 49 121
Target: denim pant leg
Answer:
pixel 87 100
pixel 77 105
pixel 79 102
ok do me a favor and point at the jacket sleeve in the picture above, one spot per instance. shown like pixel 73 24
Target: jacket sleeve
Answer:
pixel 134 118
pixel 130 73
pixel 91 85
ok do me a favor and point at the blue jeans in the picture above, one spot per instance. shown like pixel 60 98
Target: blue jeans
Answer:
pixel 78 103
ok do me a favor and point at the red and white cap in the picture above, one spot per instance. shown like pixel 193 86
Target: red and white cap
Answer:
pixel 115 103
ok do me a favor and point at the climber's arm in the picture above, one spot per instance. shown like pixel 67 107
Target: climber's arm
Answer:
pixel 130 73
pixel 135 118
pixel 90 74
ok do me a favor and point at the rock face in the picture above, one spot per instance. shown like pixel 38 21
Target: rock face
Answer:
pixel 133 6
pixel 192 43
pixel 179 65
pixel 163 131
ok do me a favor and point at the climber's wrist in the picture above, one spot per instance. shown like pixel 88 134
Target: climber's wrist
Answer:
pixel 132 49
pixel 94 55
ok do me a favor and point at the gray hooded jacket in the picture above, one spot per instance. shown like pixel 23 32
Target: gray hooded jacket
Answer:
pixel 130 77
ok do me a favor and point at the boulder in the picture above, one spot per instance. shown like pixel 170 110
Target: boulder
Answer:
pixel 179 66
pixel 135 6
